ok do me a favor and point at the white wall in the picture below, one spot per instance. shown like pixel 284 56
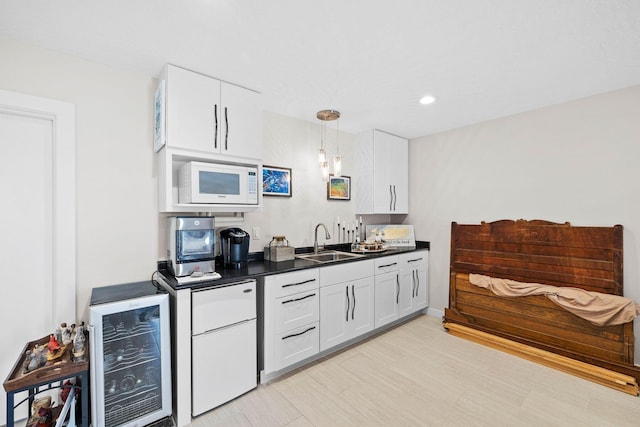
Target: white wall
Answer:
pixel 575 162
pixel 120 235
pixel 572 162
pixel 116 207
pixel 294 144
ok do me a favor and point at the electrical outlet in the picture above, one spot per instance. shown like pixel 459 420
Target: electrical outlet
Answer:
pixel 256 233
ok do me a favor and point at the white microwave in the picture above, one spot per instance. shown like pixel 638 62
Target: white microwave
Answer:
pixel 217 183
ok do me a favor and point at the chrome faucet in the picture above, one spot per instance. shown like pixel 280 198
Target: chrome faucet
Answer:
pixel 315 241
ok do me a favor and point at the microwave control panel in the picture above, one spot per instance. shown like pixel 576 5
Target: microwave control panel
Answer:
pixel 252 185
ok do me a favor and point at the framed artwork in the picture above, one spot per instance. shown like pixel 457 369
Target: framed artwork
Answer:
pixel 158 118
pixel 276 181
pixel 339 188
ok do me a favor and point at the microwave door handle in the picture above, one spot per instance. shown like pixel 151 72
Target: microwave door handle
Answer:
pixel 215 133
pixel 226 131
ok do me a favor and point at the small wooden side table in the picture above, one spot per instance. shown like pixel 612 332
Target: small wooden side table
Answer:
pixel 55 371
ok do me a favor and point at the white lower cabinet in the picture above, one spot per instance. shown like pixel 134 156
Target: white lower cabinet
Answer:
pixel 346 311
pixel 387 293
pixel 295 345
pixel 414 281
pixel 346 302
pixel 401 286
pixel 387 290
pixel 310 311
pixel 291 319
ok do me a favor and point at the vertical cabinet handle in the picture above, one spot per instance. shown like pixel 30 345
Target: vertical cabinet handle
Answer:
pixel 397 290
pixel 215 133
pixel 413 284
pixel 394 197
pixel 353 294
pixel 417 282
pixel 348 302
pixel 226 129
pixel 390 197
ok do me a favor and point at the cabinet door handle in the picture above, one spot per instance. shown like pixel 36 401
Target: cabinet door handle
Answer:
pixel 388 265
pixel 215 134
pixel 298 299
pixel 413 283
pixel 299 283
pixel 417 282
pixel 347 288
pixel 394 197
pixel 390 197
pixel 299 333
pixel 226 129
pixel 414 260
pixel 353 294
pixel 397 290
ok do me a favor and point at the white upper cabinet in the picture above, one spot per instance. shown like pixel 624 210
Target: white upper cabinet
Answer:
pixel 210 121
pixel 381 182
pixel 210 116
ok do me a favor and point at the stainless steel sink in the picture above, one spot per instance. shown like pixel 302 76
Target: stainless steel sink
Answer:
pixel 328 256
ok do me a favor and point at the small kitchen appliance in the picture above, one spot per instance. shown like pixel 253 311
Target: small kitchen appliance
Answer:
pixel 130 355
pixel 218 183
pixel 191 245
pixel 235 246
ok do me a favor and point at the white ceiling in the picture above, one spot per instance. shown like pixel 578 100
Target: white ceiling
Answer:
pixel 370 59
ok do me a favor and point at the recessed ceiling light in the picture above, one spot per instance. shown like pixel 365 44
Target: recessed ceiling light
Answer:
pixel 427 99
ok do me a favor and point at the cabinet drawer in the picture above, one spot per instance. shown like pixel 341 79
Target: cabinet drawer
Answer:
pixel 413 259
pixel 346 272
pixel 296 345
pixel 292 283
pixel 294 311
pixel 387 264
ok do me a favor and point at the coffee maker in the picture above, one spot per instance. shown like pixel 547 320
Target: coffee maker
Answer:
pixel 235 246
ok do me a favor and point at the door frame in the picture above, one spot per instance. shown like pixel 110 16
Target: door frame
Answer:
pixel 62 116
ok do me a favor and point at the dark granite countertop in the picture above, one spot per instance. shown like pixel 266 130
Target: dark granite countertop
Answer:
pixel 258 267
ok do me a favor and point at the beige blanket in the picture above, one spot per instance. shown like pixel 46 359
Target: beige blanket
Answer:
pixel 598 308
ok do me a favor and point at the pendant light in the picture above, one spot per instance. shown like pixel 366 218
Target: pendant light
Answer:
pixel 337 159
pixel 327 116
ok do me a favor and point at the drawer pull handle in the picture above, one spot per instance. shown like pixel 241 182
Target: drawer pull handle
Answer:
pixel 299 283
pixel 414 260
pixel 388 265
pixel 299 333
pixel 298 299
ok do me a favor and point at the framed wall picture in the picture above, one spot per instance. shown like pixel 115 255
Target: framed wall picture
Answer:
pixel 339 188
pixel 276 181
pixel 158 118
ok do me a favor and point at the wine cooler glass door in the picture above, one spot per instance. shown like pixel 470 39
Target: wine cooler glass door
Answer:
pixel 131 364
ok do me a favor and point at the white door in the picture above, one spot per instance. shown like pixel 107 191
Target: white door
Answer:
pixel 334 309
pixel 407 291
pixel 241 132
pixel 361 314
pixel 194 117
pixel 37 248
pixel 387 296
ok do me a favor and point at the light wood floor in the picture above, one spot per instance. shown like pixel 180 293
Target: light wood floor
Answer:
pixel 418 375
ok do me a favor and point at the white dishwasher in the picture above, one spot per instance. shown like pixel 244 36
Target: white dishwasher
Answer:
pixel 223 344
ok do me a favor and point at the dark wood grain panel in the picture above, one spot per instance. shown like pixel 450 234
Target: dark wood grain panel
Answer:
pixel 541 252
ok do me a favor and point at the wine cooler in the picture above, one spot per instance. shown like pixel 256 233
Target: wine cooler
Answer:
pixel 131 355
